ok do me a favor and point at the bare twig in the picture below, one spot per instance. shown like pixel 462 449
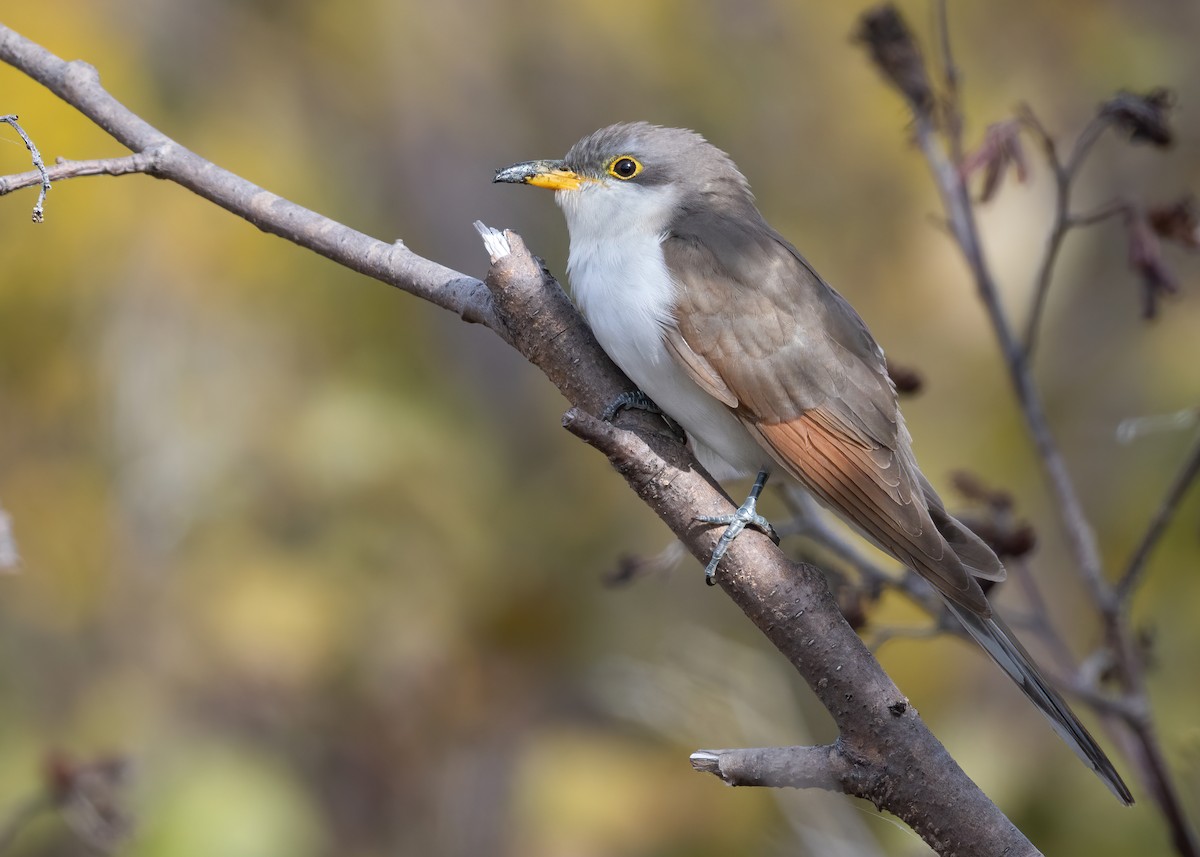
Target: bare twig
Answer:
pixel 786 767
pixel 1135 568
pixel 78 84
pixel 138 162
pixel 951 83
pixel 1116 208
pixel 1143 119
pixel 1064 173
pixel 43 178
pixel 883 636
pixel 1040 611
pixel 808 520
pixel 894 51
pixel 961 218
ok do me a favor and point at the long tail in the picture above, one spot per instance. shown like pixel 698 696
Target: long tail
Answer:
pixel 1000 643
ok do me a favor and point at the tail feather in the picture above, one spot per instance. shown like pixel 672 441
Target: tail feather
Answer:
pixel 1004 648
pixel 974 553
pixel 978 559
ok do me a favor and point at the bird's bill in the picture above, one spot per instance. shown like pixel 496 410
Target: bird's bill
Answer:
pixel 548 174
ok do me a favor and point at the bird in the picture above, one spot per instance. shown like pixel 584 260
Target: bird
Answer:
pixel 726 328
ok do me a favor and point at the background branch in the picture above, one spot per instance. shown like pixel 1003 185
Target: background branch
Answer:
pixel 1136 566
pixel 895 52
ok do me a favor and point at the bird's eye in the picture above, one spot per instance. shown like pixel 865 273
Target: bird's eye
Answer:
pixel 624 167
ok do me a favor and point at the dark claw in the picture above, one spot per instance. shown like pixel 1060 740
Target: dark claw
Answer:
pixel 637 400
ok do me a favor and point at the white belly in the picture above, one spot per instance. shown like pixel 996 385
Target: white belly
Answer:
pixel 625 292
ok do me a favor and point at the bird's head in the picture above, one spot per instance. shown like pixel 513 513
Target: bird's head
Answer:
pixel 634 176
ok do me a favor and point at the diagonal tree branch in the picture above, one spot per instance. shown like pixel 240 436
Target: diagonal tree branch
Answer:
pixel 78 84
pixel 884 752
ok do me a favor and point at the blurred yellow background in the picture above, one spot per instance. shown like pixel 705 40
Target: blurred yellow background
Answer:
pixel 317 558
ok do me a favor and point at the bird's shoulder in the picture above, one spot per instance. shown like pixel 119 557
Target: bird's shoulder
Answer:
pixel 777 336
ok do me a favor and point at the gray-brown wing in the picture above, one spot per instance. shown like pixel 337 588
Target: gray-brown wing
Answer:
pixel 785 342
pixel 811 384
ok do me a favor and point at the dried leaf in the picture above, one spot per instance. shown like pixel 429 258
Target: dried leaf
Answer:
pixel 894 50
pixel 972 487
pixel 1146 259
pixel 1009 539
pixel 906 379
pixel 1000 150
pixel 1145 118
pixel 1178 222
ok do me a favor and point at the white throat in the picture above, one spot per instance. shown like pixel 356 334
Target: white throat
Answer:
pixel 624 289
pixel 616 267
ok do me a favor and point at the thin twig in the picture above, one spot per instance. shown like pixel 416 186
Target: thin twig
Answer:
pixel 1133 708
pixel 961 219
pixel 139 162
pixel 960 216
pixel 1128 709
pixel 1037 606
pixel 1148 752
pixel 1064 175
pixel 1115 208
pixel 1058 231
pixel 1087 138
pixel 1136 566
pixel 951 78
pixel 44 179
pixel 883 636
pixel 1081 538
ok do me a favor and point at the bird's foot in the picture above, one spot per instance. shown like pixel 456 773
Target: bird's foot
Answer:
pixel 630 400
pixel 639 401
pixel 746 516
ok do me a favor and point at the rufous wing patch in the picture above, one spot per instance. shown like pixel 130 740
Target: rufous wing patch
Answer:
pixel 866 483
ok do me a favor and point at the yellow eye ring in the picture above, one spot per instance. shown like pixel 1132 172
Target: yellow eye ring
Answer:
pixel 624 167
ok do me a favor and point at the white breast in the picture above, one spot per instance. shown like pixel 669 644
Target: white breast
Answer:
pixel 624 290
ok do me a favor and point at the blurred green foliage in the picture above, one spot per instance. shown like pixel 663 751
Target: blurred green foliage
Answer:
pixel 317 559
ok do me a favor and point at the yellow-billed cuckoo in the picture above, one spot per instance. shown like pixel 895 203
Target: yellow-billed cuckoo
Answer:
pixel 732 334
